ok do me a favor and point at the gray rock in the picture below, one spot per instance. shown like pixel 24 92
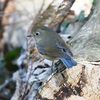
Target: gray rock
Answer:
pixel 86 44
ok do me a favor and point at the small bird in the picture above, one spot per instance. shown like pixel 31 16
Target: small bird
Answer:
pixel 51 46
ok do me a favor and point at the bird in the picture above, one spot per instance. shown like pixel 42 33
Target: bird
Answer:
pixel 51 46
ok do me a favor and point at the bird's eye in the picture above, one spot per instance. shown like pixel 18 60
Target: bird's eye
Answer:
pixel 37 33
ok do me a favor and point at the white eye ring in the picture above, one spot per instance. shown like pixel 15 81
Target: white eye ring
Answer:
pixel 37 33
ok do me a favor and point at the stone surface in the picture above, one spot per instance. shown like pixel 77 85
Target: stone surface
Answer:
pixel 86 44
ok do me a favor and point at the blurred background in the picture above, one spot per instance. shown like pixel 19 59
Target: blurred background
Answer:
pixel 15 19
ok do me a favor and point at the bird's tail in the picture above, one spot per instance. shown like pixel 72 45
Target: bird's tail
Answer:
pixel 68 62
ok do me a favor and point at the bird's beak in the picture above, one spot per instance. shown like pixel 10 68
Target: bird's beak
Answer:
pixel 29 35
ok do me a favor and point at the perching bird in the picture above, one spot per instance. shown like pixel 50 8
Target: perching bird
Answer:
pixel 51 46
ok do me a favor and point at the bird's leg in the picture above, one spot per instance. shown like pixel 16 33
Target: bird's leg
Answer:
pixel 59 66
pixel 52 67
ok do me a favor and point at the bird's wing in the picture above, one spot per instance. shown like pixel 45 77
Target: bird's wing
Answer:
pixel 54 52
pixel 65 49
pixel 60 43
